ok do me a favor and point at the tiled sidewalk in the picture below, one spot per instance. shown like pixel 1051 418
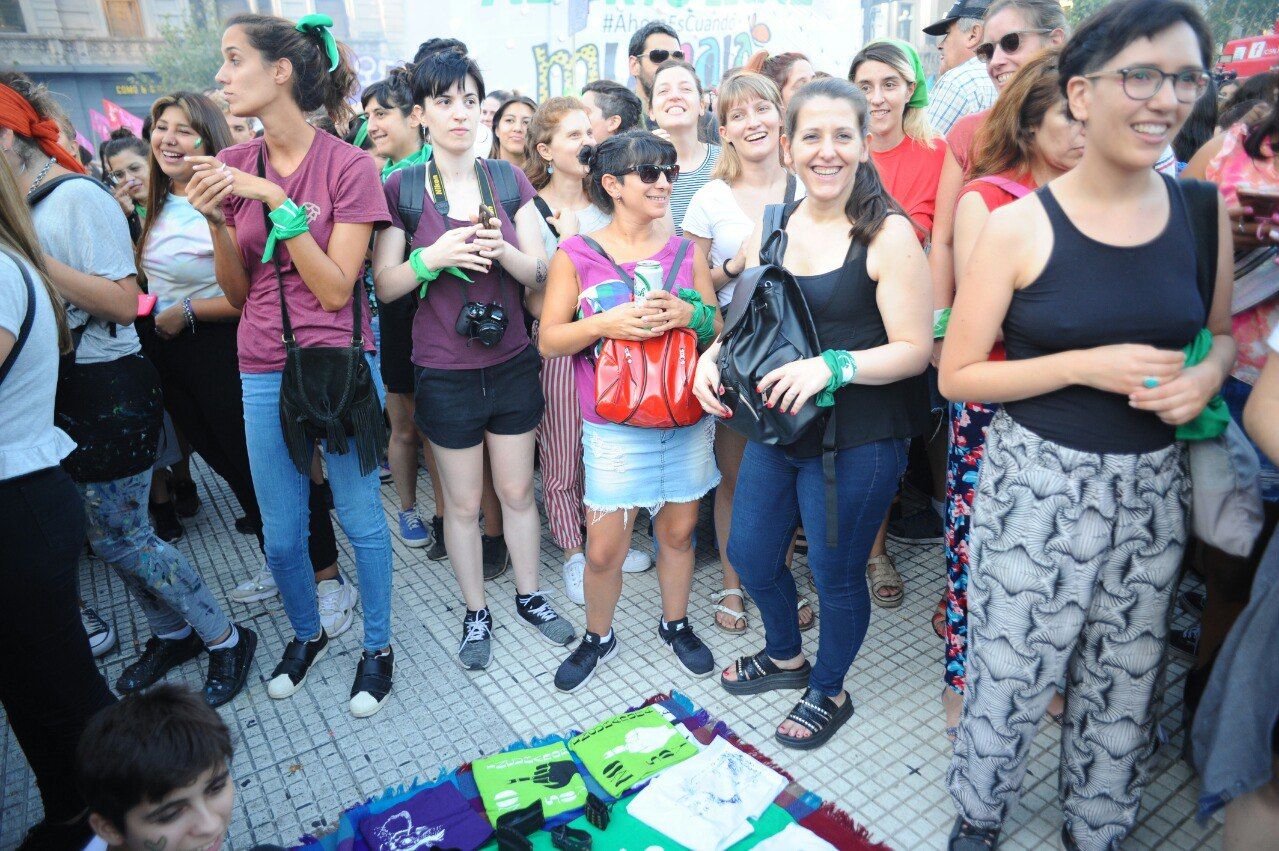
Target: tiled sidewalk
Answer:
pixel 300 761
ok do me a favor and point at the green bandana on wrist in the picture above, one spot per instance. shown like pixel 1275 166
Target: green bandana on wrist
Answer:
pixel 288 220
pixel 919 97
pixel 425 274
pixel 703 321
pixel 319 24
pixel 420 157
pixel 941 321
pixel 843 369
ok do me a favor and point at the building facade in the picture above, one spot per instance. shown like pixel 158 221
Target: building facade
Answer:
pixel 87 50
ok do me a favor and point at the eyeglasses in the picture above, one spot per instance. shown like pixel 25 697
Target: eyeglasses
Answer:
pixel 132 170
pixel 1010 43
pixel 1143 82
pixel 657 57
pixel 648 173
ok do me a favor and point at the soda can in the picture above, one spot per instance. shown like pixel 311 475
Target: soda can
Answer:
pixel 648 277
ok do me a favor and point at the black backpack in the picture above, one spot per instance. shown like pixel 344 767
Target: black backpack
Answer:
pixel 768 324
pixel 413 194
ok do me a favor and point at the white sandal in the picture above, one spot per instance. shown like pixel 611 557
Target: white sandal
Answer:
pixel 803 601
pixel 882 576
pixel 718 599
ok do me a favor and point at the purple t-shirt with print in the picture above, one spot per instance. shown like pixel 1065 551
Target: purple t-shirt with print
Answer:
pixel 601 290
pixel 335 182
pixel 436 343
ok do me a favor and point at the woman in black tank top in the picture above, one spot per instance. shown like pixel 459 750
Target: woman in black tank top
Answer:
pixel 870 295
pixel 1079 522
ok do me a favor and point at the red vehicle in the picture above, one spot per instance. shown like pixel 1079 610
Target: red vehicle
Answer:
pixel 1251 55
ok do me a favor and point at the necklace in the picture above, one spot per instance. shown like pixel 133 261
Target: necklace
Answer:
pixel 39 177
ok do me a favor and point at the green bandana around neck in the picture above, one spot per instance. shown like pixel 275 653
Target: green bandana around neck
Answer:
pixel 418 157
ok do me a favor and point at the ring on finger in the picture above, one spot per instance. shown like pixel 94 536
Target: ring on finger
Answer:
pixel 1150 382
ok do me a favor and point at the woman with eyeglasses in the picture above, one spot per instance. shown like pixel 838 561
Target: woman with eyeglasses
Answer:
pixel 510 130
pixel 863 273
pixel 477 389
pixel 1028 140
pixel 666 471
pixel 1080 518
pixel 675 106
pixel 748 176
pixel 124 164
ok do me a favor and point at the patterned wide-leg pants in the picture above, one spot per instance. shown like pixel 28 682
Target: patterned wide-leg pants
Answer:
pixel 1073 564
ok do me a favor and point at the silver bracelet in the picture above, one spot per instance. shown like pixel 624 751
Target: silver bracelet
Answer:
pixel 189 313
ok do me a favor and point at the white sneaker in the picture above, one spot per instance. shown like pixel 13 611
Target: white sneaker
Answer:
pixel 574 577
pixel 637 561
pixel 100 631
pixel 261 587
pixel 337 605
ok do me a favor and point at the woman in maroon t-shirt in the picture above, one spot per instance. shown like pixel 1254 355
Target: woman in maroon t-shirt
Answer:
pixel 477 375
pixel 336 187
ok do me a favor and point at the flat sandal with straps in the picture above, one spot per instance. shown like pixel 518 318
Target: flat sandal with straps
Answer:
pixel 758 673
pixel 818 714
pixel 739 618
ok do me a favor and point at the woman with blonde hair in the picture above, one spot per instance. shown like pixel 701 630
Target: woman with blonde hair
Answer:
pixel 748 176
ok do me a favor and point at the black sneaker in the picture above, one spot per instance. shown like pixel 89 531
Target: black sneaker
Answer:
pixel 537 613
pixel 921 527
pixel 1185 641
pixel 245 526
pixel 1193 602
pixel 575 671
pixel 229 668
pixel 299 657
pixel 437 550
pixel 186 499
pixel 970 837
pixel 164 519
pixel 693 656
pixel 373 677
pixel 160 656
pixel 496 558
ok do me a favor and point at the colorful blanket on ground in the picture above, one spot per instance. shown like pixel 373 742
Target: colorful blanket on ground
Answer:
pixel 822 818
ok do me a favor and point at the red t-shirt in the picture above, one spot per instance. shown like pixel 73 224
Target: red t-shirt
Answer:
pixel 910 172
pixel 335 182
pixel 960 137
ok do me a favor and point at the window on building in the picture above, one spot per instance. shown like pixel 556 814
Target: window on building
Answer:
pixel 11 20
pixel 231 8
pixel 335 9
pixel 124 18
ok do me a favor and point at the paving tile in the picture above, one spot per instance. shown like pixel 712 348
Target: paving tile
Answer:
pixel 300 761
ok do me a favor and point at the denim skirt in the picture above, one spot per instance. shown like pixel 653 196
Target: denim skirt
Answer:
pixel 629 467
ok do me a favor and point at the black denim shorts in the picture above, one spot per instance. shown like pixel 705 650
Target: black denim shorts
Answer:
pixel 455 407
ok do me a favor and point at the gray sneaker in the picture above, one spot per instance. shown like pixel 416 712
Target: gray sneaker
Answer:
pixel 476 650
pixel 538 614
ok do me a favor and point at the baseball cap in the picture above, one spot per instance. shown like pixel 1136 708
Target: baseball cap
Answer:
pixel 961 9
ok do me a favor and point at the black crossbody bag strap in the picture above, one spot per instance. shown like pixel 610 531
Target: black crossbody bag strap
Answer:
pixel 545 210
pixel 24 331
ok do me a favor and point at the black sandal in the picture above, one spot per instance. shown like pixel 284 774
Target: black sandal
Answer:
pixel 758 673
pixel 818 714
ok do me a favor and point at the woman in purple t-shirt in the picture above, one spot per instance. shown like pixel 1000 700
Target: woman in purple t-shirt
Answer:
pixel 477 375
pixel 627 467
pixel 337 188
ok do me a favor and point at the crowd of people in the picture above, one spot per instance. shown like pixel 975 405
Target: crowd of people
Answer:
pixel 991 265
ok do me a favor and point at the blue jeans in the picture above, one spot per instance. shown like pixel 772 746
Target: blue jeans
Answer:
pixel 283 498
pixel 166 586
pixel 775 494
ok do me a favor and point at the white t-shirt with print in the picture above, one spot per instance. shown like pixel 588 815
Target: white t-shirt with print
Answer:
pixel 178 260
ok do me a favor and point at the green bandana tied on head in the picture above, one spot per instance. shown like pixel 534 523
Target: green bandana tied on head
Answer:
pixel 919 97
pixel 319 25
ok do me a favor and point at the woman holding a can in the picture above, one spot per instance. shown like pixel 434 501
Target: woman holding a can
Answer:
pixel 627 467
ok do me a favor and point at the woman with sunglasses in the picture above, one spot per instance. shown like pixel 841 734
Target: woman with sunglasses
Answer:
pixel 477 388
pixel 1079 523
pixel 666 471
pixel 748 176
pixel 560 129
pixel 323 200
pixel 862 270
pixel 510 129
pixel 676 107
pixel 1027 140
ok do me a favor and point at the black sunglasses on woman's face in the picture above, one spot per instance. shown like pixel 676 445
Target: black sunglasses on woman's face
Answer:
pixel 1010 43
pixel 657 57
pixel 649 172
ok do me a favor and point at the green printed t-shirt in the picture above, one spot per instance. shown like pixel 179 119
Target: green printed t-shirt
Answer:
pixel 630 834
pixel 513 780
pixel 630 748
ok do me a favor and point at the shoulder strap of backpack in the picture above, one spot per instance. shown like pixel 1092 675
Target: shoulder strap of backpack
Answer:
pixel 505 186
pixel 412 198
pixel 599 249
pixel 673 272
pixel 24 330
pixel 772 246
pixel 45 189
pixel 791 186
pixel 545 210
pixel 1202 201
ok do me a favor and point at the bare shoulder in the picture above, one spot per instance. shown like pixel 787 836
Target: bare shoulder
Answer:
pixel 1020 235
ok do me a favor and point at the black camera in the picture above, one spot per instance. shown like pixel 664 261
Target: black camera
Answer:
pixel 484 322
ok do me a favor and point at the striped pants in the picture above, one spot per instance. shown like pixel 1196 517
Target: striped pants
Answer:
pixel 1074 560
pixel 559 444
